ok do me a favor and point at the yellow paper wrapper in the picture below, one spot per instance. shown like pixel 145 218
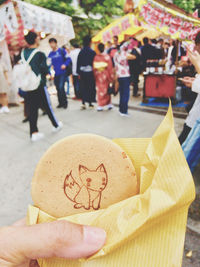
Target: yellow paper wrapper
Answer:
pixel 146 230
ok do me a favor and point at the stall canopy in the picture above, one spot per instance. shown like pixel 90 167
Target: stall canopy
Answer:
pixel 167 18
pixel 17 16
pixel 152 18
pixel 121 27
pixel 151 33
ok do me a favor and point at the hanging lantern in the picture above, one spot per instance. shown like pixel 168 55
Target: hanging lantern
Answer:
pixel 129 6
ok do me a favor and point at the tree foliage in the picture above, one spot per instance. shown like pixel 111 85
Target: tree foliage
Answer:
pixel 106 8
pixel 61 6
pixel 188 5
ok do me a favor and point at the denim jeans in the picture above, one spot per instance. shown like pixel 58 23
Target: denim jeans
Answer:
pixel 68 84
pixel 124 91
pixel 191 146
pixel 184 134
pixel 59 82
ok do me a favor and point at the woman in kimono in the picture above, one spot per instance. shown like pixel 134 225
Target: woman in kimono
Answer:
pixel 104 75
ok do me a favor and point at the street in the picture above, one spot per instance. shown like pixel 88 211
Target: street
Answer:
pixel 19 156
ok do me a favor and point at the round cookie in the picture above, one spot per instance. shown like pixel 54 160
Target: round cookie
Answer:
pixel 82 173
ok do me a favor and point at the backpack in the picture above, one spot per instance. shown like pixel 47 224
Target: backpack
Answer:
pixel 25 78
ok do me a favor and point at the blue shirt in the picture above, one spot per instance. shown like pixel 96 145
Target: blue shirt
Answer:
pixel 59 58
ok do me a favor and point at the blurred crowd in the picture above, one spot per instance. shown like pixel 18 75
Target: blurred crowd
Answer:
pixel 96 73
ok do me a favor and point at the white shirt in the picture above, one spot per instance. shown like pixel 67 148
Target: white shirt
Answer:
pixel 194 114
pixel 74 57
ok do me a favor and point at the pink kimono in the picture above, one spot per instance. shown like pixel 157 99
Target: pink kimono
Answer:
pixel 104 75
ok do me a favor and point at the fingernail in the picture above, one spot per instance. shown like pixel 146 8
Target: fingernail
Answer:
pixel 94 236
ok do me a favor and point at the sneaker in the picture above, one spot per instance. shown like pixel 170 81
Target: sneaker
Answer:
pixel 59 106
pixel 25 120
pixel 83 107
pixel 57 129
pixel 99 108
pixel 36 137
pixel 91 106
pixel 110 106
pixel 65 106
pixel 124 114
pixel 137 95
pixel 4 109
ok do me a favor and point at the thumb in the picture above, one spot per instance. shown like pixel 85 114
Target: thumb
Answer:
pixel 56 239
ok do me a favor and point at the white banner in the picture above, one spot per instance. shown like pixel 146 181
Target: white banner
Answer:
pixel 45 20
pixel 8 19
pixel 2 28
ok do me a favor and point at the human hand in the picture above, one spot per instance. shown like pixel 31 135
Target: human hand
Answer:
pixel 63 67
pixel 188 81
pixel 20 243
pixel 194 58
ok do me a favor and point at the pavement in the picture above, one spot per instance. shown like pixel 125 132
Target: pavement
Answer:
pixel 19 156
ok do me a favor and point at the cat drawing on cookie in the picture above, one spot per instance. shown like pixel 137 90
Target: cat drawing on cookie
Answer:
pixel 86 194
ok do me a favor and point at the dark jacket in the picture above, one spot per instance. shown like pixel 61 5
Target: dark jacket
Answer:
pixel 85 60
pixel 148 52
pixel 174 53
pixel 38 64
pixel 135 65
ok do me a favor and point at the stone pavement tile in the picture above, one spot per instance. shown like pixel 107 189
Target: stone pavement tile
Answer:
pixel 192 243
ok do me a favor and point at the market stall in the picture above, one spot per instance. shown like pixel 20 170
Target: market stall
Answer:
pixel 122 27
pixel 170 21
pixel 17 18
pixel 24 16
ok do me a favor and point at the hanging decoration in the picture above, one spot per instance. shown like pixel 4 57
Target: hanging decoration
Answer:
pixel 126 25
pixel 44 20
pixel 8 20
pixel 170 22
pixel 18 17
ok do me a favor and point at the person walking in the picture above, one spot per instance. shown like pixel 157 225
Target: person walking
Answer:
pixel 68 75
pixel 85 70
pixel 4 86
pixel 74 57
pixel 135 66
pixel 38 97
pixel 123 73
pixel 104 75
pixel 59 60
